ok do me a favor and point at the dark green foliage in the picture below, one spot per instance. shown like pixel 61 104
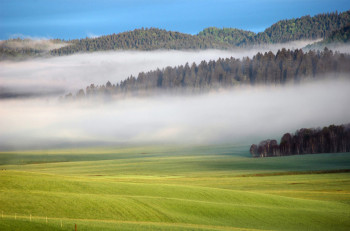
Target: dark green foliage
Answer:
pixel 337 37
pixel 235 37
pixel 141 39
pixel 306 27
pixel 340 36
pixel 330 139
pixel 319 26
pixel 285 66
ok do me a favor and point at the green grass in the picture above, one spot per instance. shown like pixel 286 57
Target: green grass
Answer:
pixel 173 188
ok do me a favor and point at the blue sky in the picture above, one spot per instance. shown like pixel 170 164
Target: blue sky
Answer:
pixel 69 19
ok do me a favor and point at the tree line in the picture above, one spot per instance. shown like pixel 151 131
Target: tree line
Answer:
pixel 331 139
pixel 307 27
pixel 286 66
pixel 141 39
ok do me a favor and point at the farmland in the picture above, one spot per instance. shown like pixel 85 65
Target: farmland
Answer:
pixel 173 188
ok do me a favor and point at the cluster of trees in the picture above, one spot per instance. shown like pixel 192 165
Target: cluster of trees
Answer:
pixel 319 26
pixel 331 139
pixel 141 39
pixel 10 53
pixel 340 36
pixel 232 36
pixel 336 39
pixel 286 66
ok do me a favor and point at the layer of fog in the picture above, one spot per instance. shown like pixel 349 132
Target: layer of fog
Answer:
pixel 240 116
pixel 70 73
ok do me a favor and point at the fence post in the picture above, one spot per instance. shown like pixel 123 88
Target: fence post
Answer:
pixel 75 227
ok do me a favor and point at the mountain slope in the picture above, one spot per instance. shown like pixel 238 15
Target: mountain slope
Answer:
pixel 306 27
pixel 141 39
pixel 337 39
pixel 319 26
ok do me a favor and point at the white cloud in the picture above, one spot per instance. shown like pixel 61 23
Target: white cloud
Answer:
pixel 237 116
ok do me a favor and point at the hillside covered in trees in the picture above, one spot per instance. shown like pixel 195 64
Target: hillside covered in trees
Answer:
pixel 286 66
pixel 337 38
pixel 141 39
pixel 331 139
pixel 319 26
pixel 307 27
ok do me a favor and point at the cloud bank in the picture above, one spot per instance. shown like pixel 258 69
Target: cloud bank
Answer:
pixel 240 116
pixel 70 73
pixel 34 119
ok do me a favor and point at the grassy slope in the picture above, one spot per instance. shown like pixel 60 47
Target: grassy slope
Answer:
pixel 168 188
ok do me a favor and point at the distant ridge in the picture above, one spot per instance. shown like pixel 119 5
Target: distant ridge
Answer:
pixel 141 39
pixel 306 27
pixel 319 26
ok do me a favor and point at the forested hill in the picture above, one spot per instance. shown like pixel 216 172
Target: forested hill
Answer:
pixel 141 39
pixel 337 39
pixel 340 36
pixel 319 26
pixel 306 27
pixel 285 66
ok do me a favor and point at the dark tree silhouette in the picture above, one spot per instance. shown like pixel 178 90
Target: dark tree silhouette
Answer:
pixel 331 139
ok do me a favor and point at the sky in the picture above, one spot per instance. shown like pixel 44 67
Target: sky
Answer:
pixel 71 19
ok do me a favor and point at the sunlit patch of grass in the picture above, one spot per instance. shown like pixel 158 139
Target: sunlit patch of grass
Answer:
pixel 193 188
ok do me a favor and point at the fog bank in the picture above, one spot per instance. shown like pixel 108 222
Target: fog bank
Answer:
pixel 70 73
pixel 240 116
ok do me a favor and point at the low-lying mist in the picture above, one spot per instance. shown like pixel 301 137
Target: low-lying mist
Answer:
pixel 40 76
pixel 239 116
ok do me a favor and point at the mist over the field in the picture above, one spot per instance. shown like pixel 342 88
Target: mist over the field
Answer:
pixel 37 77
pixel 240 116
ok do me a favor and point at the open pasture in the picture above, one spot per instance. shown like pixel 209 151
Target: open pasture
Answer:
pixel 173 188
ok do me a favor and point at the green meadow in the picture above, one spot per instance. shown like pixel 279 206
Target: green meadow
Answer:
pixel 172 188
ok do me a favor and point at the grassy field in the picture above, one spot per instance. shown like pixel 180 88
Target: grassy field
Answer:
pixel 173 188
